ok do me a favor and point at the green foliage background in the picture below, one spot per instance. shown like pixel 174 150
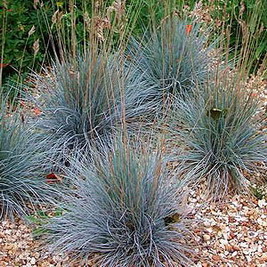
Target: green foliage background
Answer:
pixel 17 17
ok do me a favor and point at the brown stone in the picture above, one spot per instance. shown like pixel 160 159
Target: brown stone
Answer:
pixel 216 257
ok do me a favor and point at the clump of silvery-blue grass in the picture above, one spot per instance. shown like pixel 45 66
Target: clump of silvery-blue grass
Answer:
pixel 124 208
pixel 22 170
pixel 172 60
pixel 222 137
pixel 82 100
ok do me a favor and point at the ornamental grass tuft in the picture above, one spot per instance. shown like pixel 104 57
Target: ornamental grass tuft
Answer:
pixel 82 100
pixel 223 142
pixel 172 60
pixel 22 171
pixel 124 208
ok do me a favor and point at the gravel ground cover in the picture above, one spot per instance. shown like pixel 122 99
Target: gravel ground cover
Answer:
pixel 227 234
pixel 233 233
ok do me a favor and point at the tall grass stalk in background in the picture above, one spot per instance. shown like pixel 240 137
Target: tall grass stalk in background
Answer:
pixel 94 25
pixel 125 208
pixel 47 28
pixel 224 144
pixel 244 29
pixel 42 30
pixel 22 182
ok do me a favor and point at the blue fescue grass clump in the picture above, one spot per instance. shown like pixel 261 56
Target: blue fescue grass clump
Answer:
pixel 171 60
pixel 82 100
pixel 125 209
pixel 22 171
pixel 224 144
